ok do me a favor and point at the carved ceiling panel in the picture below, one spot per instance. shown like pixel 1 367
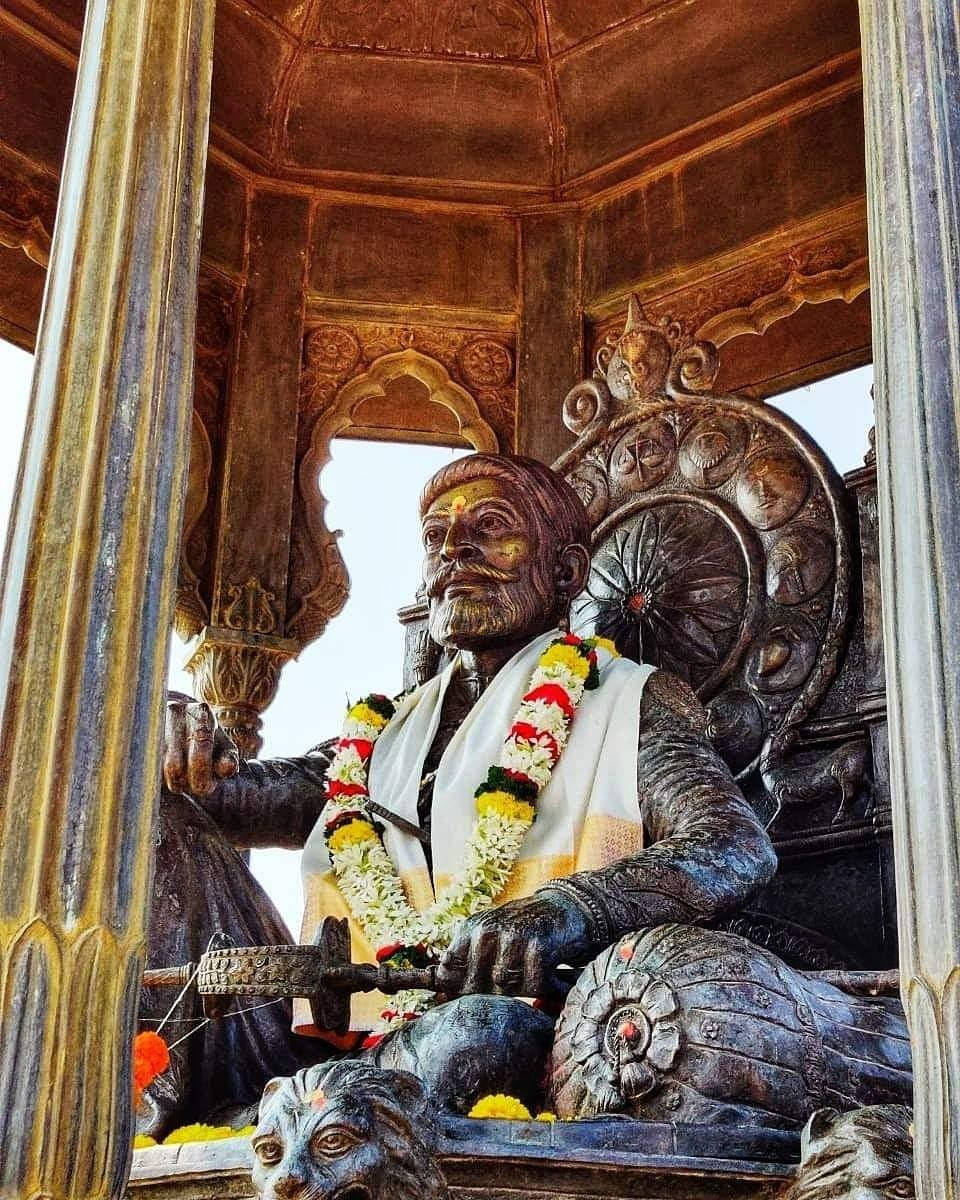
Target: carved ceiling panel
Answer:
pixel 459 28
pixel 465 98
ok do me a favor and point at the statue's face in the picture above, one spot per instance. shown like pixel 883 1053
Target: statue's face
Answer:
pixel 488 573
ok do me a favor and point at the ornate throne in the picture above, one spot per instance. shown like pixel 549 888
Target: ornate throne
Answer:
pixel 727 550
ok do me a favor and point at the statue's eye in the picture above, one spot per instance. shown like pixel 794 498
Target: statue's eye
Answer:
pixel 491 523
pixel 332 1142
pixel 433 537
pixel 269 1150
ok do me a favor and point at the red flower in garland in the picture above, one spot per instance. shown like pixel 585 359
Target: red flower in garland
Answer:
pixel 363 746
pixel 552 693
pixel 336 788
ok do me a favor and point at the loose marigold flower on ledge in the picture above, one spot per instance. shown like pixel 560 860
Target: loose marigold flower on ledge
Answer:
pixel 499 1107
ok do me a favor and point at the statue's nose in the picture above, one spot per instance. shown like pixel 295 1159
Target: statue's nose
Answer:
pixel 459 548
pixel 288 1184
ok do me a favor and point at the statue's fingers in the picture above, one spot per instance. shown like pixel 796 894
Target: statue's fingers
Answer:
pixel 535 970
pixel 200 729
pixel 226 757
pixel 453 965
pixel 174 747
pixel 507 972
pixel 484 946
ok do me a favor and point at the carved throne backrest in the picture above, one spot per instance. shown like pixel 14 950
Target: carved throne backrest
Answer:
pixel 721 545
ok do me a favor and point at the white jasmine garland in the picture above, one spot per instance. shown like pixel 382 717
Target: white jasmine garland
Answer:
pixel 367 877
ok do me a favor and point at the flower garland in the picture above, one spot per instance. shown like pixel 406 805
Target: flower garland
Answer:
pixel 506 808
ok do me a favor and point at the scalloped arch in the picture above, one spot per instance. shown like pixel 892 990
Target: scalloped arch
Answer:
pixel 315 600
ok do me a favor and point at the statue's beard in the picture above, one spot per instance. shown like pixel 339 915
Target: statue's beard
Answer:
pixel 500 609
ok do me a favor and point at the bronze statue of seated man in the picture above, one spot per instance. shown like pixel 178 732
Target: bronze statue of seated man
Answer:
pixel 528 807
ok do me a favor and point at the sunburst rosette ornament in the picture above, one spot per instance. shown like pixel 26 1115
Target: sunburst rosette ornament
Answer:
pixel 506 805
pixel 619 1035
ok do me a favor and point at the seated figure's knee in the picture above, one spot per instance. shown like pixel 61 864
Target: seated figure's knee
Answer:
pixel 679 1023
pixel 471 1047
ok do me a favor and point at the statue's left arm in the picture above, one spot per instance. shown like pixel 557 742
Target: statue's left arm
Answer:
pixel 709 853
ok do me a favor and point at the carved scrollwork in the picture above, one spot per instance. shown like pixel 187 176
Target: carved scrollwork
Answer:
pixel 27 213
pixel 651 357
pixel 251 607
pixel 585 405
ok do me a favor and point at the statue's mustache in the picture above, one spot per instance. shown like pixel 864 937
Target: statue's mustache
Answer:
pixel 480 573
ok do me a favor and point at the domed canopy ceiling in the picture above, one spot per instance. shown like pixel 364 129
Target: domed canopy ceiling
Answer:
pixel 528 98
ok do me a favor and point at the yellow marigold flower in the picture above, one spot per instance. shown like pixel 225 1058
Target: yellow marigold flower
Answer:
pixel 205 1133
pixel 500 1108
pixel 569 657
pixel 366 714
pixel 549 1117
pixel 504 805
pixel 143 1141
pixel 354 833
pixel 608 645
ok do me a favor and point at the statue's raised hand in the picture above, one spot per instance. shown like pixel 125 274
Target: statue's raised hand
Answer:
pixel 514 949
pixel 197 754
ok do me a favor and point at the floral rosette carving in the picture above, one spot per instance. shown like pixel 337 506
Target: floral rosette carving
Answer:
pixel 619 1036
pixel 672 588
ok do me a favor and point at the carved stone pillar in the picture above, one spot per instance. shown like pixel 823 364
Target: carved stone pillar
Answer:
pixel 911 66
pixel 550 341
pixel 87 595
pixel 236 666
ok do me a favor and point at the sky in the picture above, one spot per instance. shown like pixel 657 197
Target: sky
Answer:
pixel 372 491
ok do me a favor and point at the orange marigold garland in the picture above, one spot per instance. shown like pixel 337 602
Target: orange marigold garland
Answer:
pixel 151 1057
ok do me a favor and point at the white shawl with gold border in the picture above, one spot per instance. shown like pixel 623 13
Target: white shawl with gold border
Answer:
pixel 587 815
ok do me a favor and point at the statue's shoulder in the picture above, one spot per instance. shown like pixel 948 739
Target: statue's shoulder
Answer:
pixel 666 694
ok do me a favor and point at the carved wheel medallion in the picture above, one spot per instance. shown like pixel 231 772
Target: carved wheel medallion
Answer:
pixel 676 582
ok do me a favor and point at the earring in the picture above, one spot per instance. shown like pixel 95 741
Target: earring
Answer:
pixel 563 620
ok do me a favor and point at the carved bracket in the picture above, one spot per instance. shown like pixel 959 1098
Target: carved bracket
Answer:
pixel 237 673
pixel 26 217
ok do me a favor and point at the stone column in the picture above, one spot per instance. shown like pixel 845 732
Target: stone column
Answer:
pixel 550 337
pixel 236 665
pixel 912 98
pixel 87 595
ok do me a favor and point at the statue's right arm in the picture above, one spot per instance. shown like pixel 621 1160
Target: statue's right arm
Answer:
pixel 274 803
pixel 271 803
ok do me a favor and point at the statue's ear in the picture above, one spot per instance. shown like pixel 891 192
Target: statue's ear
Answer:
pixel 409 1091
pixel 819 1125
pixel 572 569
pixel 270 1090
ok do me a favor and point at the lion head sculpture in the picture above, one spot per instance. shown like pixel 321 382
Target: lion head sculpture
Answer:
pixel 346 1131
pixel 866 1154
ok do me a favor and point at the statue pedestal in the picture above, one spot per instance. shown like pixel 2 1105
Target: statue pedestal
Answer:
pixel 530 1160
